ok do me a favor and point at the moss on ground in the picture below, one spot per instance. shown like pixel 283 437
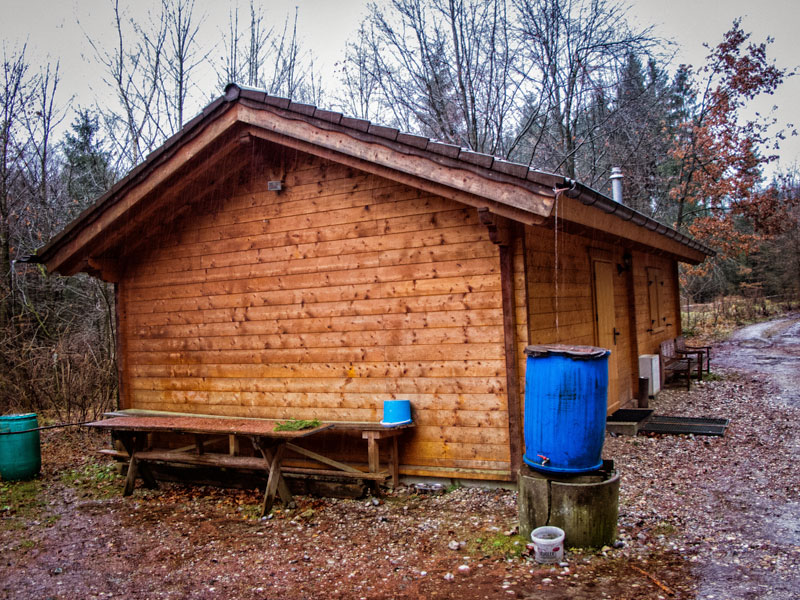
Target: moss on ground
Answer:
pixel 95 479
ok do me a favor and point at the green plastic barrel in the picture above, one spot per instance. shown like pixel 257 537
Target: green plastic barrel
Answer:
pixel 20 454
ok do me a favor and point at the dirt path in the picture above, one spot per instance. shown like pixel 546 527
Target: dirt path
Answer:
pixel 767 352
pixel 770 349
pixel 700 517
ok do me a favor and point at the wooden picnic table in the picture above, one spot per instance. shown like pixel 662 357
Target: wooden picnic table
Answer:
pixel 133 427
pixel 269 442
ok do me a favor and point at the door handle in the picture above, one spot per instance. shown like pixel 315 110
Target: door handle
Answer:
pixel 616 333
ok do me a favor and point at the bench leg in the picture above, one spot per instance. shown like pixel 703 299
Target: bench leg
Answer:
pixel 373 453
pixel 130 480
pixel 394 463
pixel 272 482
pixel 135 467
pixel 373 458
pixel 283 489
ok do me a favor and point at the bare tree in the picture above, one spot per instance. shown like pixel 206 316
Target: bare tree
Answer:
pixel 577 48
pixel 133 72
pixel 244 58
pixel 182 56
pixel 359 89
pixel 267 58
pixel 40 121
pixel 449 69
pixel 13 98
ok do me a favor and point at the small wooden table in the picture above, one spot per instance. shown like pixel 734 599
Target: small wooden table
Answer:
pixel 270 443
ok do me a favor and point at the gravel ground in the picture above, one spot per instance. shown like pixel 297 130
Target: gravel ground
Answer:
pixel 700 517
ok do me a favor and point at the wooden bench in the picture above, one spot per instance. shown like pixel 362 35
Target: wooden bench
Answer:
pixel 672 363
pixel 703 353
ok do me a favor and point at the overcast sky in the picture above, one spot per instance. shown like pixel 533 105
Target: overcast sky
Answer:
pixel 58 29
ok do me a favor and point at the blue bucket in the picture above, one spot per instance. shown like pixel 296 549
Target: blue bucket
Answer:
pixel 566 390
pixel 396 412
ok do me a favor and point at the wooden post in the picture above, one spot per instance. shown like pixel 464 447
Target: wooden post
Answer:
pixel 510 342
pixel 676 286
pixel 119 346
pixel 503 233
pixel 269 460
pixel 135 467
pixel 373 451
pixel 130 480
pixel 634 331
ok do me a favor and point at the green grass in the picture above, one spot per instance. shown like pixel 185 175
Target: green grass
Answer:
pixel 713 377
pixel 500 545
pixel 297 424
pixel 98 480
pixel 452 487
pixel 20 502
pixel 26 544
pixel 20 498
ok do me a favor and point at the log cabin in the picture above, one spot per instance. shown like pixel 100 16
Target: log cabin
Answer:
pixel 276 260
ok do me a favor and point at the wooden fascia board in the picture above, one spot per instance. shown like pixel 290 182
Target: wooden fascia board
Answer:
pixel 84 236
pixel 461 184
pixel 574 211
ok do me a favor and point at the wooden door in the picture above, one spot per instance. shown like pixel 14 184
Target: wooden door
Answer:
pixel 606 324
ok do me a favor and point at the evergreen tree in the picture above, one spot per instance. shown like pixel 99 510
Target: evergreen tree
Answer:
pixel 87 166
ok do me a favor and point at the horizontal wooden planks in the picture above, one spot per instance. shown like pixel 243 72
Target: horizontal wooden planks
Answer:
pixel 321 302
pixel 487 368
pixel 309 385
pixel 202 313
pixel 292 262
pixel 433 352
pixel 400 273
pixel 561 297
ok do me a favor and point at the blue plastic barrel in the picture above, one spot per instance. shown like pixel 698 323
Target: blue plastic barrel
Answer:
pixel 566 397
pixel 20 453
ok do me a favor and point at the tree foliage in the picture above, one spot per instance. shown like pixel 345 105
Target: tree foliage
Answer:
pixel 719 156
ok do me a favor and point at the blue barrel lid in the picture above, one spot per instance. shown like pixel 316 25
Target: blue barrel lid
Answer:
pixel 577 352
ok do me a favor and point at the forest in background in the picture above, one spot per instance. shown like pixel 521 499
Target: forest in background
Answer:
pixel 565 86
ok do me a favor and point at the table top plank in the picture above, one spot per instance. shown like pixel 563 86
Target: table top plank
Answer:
pixel 338 425
pixel 203 425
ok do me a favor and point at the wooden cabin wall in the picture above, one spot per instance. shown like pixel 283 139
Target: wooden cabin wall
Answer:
pixel 561 300
pixel 321 301
pixel 651 332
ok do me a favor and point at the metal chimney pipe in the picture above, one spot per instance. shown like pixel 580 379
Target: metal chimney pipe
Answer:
pixel 616 184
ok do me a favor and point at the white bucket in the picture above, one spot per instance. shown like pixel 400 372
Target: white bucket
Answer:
pixel 548 544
